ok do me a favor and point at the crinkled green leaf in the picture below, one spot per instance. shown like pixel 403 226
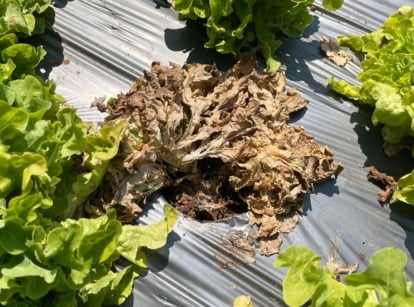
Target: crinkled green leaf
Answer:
pixel 102 239
pixel 99 148
pixel 23 209
pixel 192 9
pixel 332 5
pixel 73 131
pixel 104 146
pixel 112 289
pixel 16 16
pixel 329 293
pixel 405 191
pixel 363 43
pixel 389 107
pixel 385 274
pixel 86 246
pixel 6 70
pixel 344 88
pixel 27 268
pixel 11 121
pixel 30 6
pixel 89 246
pixel 25 57
pixel 355 296
pixel 88 239
pixel 7 40
pixel 25 279
pixel 30 95
pixel 303 276
pixel 14 238
pixel 13 19
pixel 153 236
pixel 17 171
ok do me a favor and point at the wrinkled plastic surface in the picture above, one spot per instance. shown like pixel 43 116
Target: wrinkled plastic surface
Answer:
pixel 98 47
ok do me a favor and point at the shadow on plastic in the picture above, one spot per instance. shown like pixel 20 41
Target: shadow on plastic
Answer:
pixel 328 188
pixel 296 54
pixel 60 3
pixel 403 215
pixel 371 142
pixel 162 3
pixel 191 39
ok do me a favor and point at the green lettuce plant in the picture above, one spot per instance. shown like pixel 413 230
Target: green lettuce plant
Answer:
pixel 50 163
pixel 307 283
pixel 386 83
pixel 233 26
pixel 383 283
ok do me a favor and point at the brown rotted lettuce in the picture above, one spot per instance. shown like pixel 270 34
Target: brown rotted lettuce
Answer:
pixel 218 143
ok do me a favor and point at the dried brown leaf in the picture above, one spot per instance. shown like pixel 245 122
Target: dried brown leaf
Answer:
pixel 387 183
pixel 334 52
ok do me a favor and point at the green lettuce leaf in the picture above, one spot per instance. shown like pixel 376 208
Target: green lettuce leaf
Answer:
pixel 25 57
pixel 385 275
pixel 25 270
pixel 303 276
pixel 111 289
pixel 151 236
pixel 332 5
pixel 31 6
pixel 405 191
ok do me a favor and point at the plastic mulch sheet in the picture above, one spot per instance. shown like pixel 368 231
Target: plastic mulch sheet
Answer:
pixel 99 47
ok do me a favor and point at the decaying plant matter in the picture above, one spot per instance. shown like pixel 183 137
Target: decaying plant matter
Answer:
pixel 218 141
pixel 388 184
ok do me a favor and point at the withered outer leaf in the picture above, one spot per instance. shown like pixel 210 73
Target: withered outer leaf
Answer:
pixel 182 117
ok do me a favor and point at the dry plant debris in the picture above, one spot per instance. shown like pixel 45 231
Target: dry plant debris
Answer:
pixel 334 52
pixel 393 149
pixel 241 245
pixel 387 183
pixel 339 269
pixel 218 143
